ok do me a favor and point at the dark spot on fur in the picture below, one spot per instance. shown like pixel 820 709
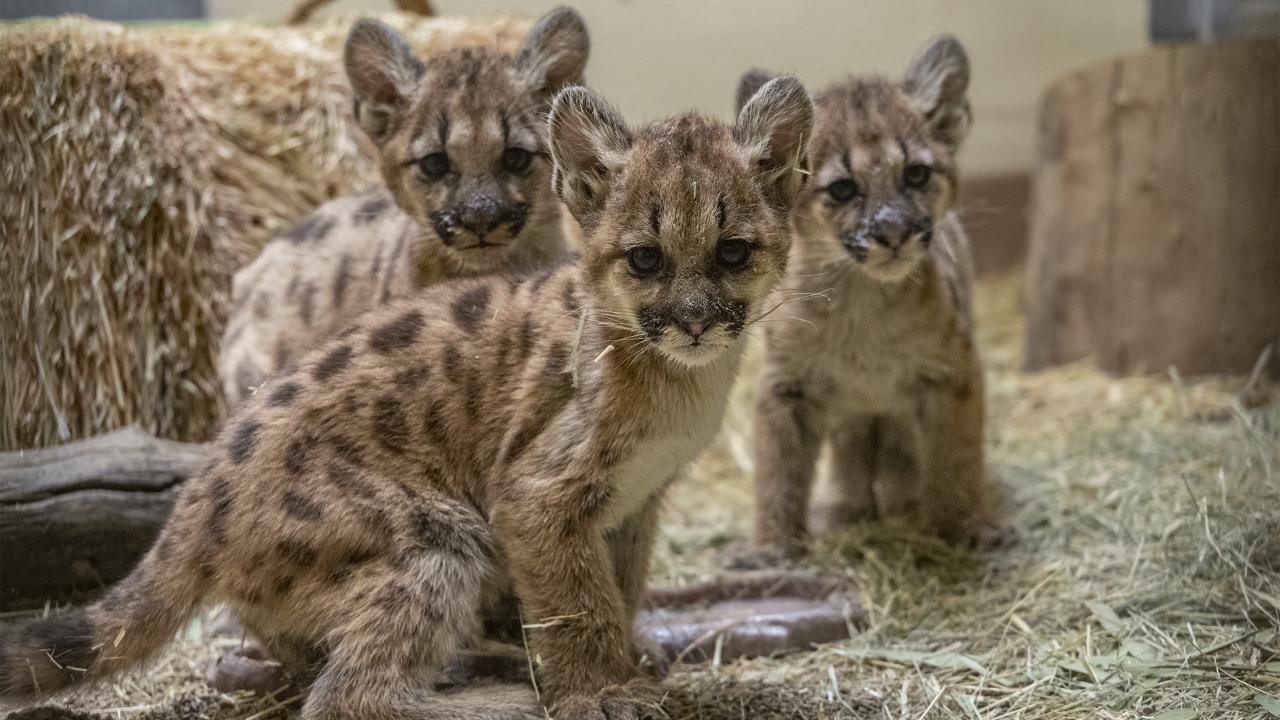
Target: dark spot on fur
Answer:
pixel 526 336
pixel 557 363
pixel 296 553
pixel 389 424
pixel 283 394
pixel 292 288
pixel 370 210
pixel 282 584
pixel 397 334
pixel 243 440
pixel 541 280
pixel 436 534
pixel 301 508
pixel 347 449
pixel 472 394
pixel 570 297
pixel 334 362
pixel 471 307
pixel 452 364
pixel 410 378
pixel 392 597
pixel 306 303
pixel 262 306
pixel 433 423
pixel 296 452
pixel 219 509
pixel 341 279
pixel 347 479
pixel 313 229
pixel 348 331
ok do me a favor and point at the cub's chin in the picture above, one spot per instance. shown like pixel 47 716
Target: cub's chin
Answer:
pixel 883 266
pixel 684 353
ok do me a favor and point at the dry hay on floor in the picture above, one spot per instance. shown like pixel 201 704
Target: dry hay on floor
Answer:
pixel 142 167
pixel 1145 582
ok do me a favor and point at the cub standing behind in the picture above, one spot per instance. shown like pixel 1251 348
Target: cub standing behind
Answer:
pixel 462 151
pixel 886 371
pixel 359 506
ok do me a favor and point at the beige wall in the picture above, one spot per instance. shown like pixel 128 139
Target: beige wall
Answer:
pixel 655 57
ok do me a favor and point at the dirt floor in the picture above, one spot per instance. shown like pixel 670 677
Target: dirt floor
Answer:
pixel 1145 582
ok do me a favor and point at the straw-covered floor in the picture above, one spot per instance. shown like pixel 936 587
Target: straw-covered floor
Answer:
pixel 1144 584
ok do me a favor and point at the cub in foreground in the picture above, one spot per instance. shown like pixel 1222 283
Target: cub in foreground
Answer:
pixel 884 369
pixel 462 150
pixel 359 507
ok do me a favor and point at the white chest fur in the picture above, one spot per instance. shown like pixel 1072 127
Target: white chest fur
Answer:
pixel 685 421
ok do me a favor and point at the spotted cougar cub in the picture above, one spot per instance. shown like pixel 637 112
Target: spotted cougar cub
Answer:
pixel 884 369
pixel 462 151
pixel 359 507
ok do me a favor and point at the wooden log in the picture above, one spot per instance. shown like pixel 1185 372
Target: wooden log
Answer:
pixel 1155 222
pixel 75 518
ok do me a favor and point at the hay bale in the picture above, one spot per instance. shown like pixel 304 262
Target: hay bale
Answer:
pixel 142 167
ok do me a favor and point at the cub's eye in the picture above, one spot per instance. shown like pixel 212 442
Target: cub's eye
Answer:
pixel 917 176
pixel 732 253
pixel 434 166
pixel 842 190
pixel 644 259
pixel 516 160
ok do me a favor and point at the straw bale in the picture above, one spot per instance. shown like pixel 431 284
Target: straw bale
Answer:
pixel 141 167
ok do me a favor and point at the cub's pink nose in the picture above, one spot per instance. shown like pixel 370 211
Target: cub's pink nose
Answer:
pixel 695 329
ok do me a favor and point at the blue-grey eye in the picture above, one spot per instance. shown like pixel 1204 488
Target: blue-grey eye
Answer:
pixel 434 166
pixel 917 175
pixel 842 190
pixel 733 253
pixel 516 160
pixel 644 259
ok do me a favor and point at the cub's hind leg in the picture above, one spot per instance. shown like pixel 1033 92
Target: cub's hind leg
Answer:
pixel 404 621
pixel 846 494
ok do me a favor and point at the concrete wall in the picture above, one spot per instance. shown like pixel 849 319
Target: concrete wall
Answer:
pixel 655 57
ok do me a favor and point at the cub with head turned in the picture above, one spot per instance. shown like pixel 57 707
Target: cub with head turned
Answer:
pixel 360 506
pixel 883 367
pixel 462 150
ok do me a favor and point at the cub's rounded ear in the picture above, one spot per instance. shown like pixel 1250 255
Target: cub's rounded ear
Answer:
pixel 589 143
pixel 555 52
pixel 752 80
pixel 774 127
pixel 383 72
pixel 937 81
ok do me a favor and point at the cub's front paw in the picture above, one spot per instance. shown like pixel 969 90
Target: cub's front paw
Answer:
pixel 981 535
pixel 650 656
pixel 636 700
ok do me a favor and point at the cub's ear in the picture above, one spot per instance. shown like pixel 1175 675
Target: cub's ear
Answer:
pixel 555 52
pixel 937 80
pixel 589 142
pixel 774 127
pixel 383 71
pixel 752 81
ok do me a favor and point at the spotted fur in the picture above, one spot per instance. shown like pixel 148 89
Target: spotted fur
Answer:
pixel 356 527
pixel 873 353
pixel 471 106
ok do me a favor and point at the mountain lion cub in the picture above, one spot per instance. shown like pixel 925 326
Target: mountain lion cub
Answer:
pixel 359 507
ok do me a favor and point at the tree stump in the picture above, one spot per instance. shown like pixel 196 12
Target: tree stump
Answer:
pixel 77 517
pixel 1155 221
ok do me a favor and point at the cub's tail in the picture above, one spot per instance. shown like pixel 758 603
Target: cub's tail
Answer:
pixel 132 622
